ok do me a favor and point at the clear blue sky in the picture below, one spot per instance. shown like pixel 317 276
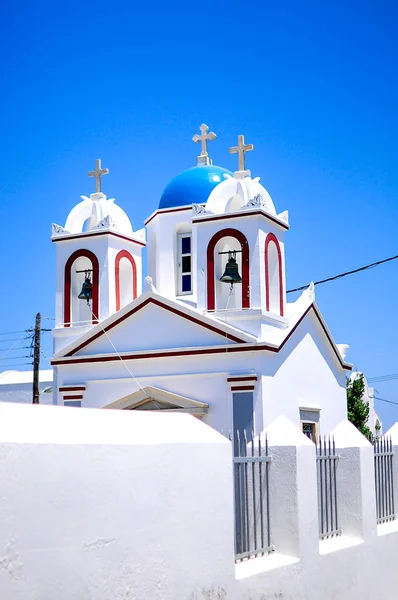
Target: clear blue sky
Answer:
pixel 313 85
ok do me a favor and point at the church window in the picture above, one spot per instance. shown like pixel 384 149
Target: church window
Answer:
pixel 184 264
pixel 243 420
pixel 310 424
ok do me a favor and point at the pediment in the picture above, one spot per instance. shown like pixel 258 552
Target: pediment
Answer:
pixel 156 399
pixel 153 324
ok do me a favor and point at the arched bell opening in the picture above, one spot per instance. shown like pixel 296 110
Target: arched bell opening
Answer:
pixel 224 245
pixel 81 268
pixel 273 275
pixel 228 252
pixel 125 279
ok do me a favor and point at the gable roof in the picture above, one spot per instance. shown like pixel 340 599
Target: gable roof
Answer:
pixel 243 342
pixel 227 333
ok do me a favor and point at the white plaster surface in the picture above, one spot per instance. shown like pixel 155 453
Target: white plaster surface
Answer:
pixel 109 505
pixel 114 505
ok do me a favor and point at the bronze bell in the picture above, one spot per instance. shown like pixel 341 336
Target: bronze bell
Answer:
pixel 87 289
pixel 231 273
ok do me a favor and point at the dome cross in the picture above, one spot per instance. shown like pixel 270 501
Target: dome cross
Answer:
pixel 240 150
pixel 98 173
pixel 203 158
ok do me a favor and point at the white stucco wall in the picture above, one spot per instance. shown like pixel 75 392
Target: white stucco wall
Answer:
pixel 107 504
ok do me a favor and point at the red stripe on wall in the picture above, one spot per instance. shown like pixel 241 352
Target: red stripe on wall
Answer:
pixel 68 279
pixel 239 236
pixel 271 238
pixel 119 256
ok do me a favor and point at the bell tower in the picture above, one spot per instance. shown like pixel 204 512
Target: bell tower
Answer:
pixel 240 253
pixel 98 263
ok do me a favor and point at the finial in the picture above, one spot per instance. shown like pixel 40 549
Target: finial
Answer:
pixel 240 150
pixel 98 173
pixel 203 158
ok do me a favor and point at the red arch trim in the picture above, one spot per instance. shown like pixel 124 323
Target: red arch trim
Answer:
pixel 272 239
pixel 238 235
pixel 119 256
pixel 67 284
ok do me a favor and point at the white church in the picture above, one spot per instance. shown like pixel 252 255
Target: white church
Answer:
pixel 211 332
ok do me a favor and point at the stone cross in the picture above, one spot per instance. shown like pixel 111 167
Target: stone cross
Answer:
pixel 203 158
pixel 98 173
pixel 240 150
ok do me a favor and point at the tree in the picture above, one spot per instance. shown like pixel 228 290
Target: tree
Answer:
pixel 358 408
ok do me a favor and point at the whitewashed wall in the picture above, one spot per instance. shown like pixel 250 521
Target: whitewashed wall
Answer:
pixel 105 505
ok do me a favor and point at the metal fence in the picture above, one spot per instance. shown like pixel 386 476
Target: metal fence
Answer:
pixel 326 466
pixel 384 479
pixel 252 514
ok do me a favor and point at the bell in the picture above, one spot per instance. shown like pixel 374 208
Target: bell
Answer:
pixel 87 290
pixel 231 273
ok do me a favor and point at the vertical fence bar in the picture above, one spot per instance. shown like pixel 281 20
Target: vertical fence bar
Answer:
pixel 327 488
pixel 384 480
pixel 252 513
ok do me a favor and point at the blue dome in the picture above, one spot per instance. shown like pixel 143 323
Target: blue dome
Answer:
pixel 192 186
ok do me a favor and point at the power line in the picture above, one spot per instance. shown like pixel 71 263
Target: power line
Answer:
pixel 12 367
pixel 375 264
pixel 380 378
pixel 384 400
pixel 15 332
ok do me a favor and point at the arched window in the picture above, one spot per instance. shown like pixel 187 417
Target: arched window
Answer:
pixel 223 241
pixel 125 279
pixel 273 275
pixel 77 312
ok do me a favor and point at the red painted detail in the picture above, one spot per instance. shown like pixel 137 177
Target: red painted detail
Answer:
pixel 242 388
pixel 272 239
pixel 72 388
pixel 77 397
pixel 170 309
pixel 249 213
pixel 200 351
pixel 119 256
pixel 95 234
pixel 243 378
pixel 67 284
pixel 168 210
pixel 238 235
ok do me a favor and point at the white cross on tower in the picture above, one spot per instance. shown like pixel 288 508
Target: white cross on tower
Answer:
pixel 240 150
pixel 98 173
pixel 203 158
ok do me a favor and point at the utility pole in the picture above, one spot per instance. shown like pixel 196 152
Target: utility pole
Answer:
pixel 36 359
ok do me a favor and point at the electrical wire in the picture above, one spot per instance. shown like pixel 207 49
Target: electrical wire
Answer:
pixel 381 378
pixel 371 266
pixel 14 347
pixel 15 332
pixel 118 354
pixel 384 400
pixel 12 367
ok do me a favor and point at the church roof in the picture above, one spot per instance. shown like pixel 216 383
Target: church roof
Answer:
pixel 192 186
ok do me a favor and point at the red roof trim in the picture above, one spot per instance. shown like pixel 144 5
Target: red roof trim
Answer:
pixel 242 388
pixel 71 236
pixel 77 397
pixel 217 350
pixel 72 388
pixel 243 378
pixel 250 213
pixel 170 309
